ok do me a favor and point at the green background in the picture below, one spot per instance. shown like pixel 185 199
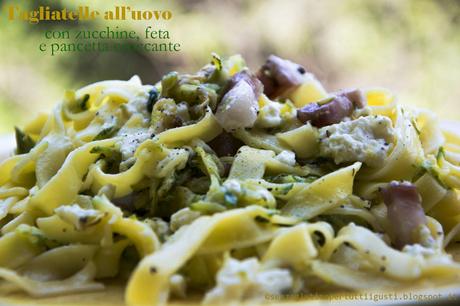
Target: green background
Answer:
pixel 411 47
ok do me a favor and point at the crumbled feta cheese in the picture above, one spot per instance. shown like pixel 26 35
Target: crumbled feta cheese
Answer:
pixel 366 139
pixel 183 217
pixel 232 186
pixel 80 218
pixel 270 115
pixel 417 249
pixel 132 134
pixel 177 285
pixel 182 111
pixel 238 108
pixel 274 281
pixel 287 157
pixel 246 280
pixel 137 105
pixel 169 109
pixel 128 143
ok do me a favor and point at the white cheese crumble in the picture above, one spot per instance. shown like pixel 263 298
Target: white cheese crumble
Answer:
pixel 182 111
pixel 246 280
pixel 417 249
pixel 238 108
pixel 132 134
pixel 273 114
pixel 80 218
pixel 270 115
pixel 366 139
pixel 130 140
pixel 232 186
pixel 137 105
pixel 178 285
pixel 287 157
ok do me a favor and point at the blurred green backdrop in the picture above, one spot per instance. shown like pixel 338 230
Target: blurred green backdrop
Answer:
pixel 411 47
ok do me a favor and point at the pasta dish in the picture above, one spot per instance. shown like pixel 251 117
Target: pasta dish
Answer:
pixel 228 185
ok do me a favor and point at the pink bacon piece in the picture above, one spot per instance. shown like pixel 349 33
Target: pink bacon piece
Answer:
pixel 405 212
